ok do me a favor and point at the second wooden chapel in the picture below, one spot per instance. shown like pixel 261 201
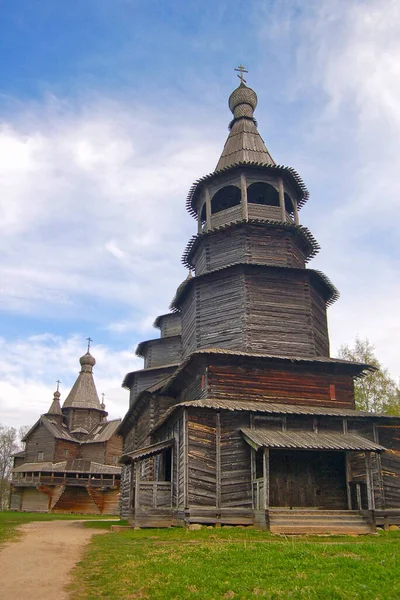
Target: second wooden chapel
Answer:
pixel 240 415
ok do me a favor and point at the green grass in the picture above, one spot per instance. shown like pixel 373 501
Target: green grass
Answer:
pixel 214 564
pixel 10 520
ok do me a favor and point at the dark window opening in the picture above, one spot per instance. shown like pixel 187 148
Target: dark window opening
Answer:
pixel 260 463
pixel 262 193
pixel 226 198
pixel 165 465
pixel 288 204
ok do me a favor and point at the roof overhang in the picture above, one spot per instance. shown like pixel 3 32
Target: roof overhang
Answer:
pixel 274 408
pixel 306 440
pixel 330 293
pixel 147 451
pixel 306 236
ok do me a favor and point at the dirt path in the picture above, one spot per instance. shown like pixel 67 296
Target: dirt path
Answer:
pixel 38 565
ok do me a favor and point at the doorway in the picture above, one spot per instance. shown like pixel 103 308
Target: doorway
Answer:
pixel 303 478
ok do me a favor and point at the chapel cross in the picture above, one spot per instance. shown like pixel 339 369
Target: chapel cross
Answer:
pixel 58 385
pixel 89 340
pixel 242 70
pixel 102 398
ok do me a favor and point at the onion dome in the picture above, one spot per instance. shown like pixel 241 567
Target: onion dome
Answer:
pixel 87 362
pixel 244 144
pixel 243 102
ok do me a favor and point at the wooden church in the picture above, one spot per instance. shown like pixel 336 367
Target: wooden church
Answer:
pixel 71 458
pixel 240 416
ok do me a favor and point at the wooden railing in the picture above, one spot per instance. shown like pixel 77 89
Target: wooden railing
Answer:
pixel 153 494
pixel 255 211
pixel 67 479
pixel 258 494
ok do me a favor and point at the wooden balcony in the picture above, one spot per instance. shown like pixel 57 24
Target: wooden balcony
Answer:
pixel 255 211
pixel 70 479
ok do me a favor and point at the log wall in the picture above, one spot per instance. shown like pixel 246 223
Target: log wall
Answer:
pixel 40 440
pixel 146 378
pixel 170 325
pixel 251 245
pixel 163 351
pixel 264 310
pixel 294 384
pixel 390 438
pixel 65 450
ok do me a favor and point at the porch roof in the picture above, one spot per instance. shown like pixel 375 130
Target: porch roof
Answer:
pixel 306 440
pixel 146 451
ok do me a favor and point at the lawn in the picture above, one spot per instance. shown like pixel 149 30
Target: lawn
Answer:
pixel 237 563
pixel 10 520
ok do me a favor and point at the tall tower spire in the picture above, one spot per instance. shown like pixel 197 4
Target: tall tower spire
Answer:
pixel 244 143
pixel 82 405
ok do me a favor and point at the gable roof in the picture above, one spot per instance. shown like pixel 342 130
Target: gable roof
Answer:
pixel 56 430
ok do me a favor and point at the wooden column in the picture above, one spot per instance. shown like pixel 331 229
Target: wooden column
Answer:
pixel 199 224
pixel 266 477
pixel 370 482
pixel 282 200
pixel 185 460
pixel 218 460
pixel 348 479
pixel 208 209
pixel 243 188
pixel 137 485
pixel 253 477
pixel 379 467
pixel 296 213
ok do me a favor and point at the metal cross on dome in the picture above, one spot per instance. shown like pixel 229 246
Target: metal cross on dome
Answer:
pixel 58 385
pixel 89 341
pixel 242 70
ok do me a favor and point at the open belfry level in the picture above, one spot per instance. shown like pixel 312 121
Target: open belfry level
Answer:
pixel 70 462
pixel 240 416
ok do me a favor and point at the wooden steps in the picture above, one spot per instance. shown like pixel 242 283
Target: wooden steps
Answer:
pixel 309 522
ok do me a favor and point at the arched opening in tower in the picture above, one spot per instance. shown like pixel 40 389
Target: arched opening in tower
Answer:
pixel 288 204
pixel 203 214
pixel 225 198
pixel 262 193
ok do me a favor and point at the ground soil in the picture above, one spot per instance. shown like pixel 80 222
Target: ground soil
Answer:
pixel 38 563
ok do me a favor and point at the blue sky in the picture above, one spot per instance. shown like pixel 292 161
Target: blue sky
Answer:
pixel 109 110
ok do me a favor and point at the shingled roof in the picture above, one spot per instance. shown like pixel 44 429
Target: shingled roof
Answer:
pixel 83 393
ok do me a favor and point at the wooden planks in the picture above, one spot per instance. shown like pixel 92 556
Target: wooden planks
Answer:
pixel 292 384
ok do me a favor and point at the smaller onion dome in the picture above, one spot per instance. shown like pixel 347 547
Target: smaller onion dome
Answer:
pixel 243 101
pixel 55 408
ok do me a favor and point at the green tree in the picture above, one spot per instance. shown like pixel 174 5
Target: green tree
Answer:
pixel 8 447
pixel 376 391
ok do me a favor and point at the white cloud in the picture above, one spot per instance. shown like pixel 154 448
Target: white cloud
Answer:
pixel 93 205
pixel 345 68
pixel 30 367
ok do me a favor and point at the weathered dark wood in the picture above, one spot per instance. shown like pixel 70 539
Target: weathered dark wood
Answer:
pixel 252 322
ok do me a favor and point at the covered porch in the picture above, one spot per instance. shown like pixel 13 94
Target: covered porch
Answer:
pixel 306 471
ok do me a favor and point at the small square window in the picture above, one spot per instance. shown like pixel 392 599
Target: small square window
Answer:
pixel 65 452
pixel 40 455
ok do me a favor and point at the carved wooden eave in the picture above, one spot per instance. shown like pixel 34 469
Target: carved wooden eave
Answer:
pixel 310 243
pixel 331 294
